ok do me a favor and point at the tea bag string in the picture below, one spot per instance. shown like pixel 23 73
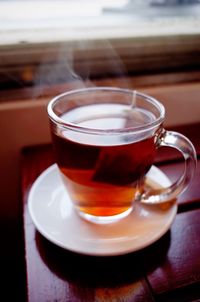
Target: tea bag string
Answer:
pixel 133 99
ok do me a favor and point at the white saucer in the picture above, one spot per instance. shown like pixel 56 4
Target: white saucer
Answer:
pixel 54 217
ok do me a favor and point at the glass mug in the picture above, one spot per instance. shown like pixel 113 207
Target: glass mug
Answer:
pixel 105 140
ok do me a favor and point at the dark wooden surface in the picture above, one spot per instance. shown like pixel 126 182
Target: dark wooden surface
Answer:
pixel 168 270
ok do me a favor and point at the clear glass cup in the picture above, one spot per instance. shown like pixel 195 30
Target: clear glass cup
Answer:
pixel 105 141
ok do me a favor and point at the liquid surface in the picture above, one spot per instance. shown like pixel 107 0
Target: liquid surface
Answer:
pixel 108 116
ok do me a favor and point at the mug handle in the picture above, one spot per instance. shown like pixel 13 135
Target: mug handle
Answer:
pixel 184 145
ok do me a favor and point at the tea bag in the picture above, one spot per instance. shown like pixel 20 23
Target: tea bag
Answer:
pixel 116 164
pixel 115 167
pixel 124 163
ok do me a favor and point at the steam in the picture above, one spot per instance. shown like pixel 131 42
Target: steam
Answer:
pixel 78 64
pixel 56 67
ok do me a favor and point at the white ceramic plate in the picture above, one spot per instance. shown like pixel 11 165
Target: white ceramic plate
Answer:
pixel 54 217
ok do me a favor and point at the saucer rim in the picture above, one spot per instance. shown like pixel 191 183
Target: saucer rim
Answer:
pixel 97 252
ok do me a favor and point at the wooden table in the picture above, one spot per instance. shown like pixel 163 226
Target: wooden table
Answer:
pixel 168 270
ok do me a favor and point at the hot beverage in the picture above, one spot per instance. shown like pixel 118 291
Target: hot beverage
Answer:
pixel 103 176
pixel 105 140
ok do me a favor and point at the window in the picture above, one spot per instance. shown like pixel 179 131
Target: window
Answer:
pixel 44 42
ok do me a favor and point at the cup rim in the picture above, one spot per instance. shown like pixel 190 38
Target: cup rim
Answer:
pixel 68 125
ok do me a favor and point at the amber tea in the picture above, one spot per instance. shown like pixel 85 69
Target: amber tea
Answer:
pixel 103 175
pixel 105 140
